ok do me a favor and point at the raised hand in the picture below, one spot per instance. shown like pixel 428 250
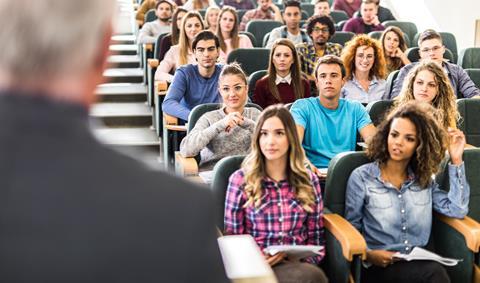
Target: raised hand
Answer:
pixel 456 145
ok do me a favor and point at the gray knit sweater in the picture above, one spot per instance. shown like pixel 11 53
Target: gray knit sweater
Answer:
pixel 210 139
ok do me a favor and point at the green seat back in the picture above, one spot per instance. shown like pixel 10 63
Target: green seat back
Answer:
pixel 251 59
pixel 469 110
pixel 378 109
pixel 252 80
pixel 342 37
pixel 221 174
pixel 339 16
pixel 150 16
pixel 474 75
pixel 259 28
pixel 469 58
pixel 339 170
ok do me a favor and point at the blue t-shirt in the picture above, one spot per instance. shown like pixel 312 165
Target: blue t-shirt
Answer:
pixel 189 89
pixel 328 132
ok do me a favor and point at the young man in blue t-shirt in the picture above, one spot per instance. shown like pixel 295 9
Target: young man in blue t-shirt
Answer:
pixel 328 125
pixel 195 84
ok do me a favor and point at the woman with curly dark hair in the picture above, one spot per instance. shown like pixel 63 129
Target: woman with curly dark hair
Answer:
pixel 390 200
pixel 365 69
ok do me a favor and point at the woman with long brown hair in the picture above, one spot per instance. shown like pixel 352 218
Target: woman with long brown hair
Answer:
pixel 390 200
pixel 365 69
pixel 427 82
pixel 227 32
pixel 181 54
pixel 274 198
pixel 284 82
pixel 394 46
pixel 172 38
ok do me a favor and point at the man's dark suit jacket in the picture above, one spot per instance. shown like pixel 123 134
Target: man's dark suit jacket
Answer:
pixel 72 210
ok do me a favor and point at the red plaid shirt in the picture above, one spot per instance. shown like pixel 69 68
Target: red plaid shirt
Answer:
pixel 279 219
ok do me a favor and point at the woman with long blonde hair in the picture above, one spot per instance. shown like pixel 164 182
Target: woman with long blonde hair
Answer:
pixel 428 82
pixel 274 198
pixel 211 19
pixel 181 54
pixel 227 32
pixel 284 82
pixel 391 200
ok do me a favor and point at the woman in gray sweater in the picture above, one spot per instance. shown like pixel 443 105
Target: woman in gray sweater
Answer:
pixel 228 130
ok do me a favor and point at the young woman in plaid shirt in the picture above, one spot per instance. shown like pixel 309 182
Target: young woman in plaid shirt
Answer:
pixel 274 198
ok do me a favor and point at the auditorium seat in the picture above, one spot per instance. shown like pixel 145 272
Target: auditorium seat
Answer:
pixel 341 37
pixel 345 247
pixel 259 28
pixel 250 59
pixel 252 80
pixel 469 58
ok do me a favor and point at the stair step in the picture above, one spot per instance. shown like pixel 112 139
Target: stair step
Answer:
pixel 121 92
pixel 123 39
pixel 140 143
pixel 124 114
pixel 124 75
pixel 140 136
pixel 123 61
pixel 124 49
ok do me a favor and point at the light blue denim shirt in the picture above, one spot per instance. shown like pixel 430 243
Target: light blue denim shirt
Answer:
pixel 398 220
pixel 352 90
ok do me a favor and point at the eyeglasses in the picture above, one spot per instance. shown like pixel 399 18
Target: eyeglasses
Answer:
pixel 322 30
pixel 433 49
pixel 368 57
pixel 236 89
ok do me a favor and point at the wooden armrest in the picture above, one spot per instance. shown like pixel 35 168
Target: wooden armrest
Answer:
pixel 186 166
pixel 350 239
pixel 153 63
pixel 161 87
pixel 469 228
pixel 170 120
pixel 176 128
pixel 148 47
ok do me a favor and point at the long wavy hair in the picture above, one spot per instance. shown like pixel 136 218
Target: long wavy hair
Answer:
pixel 297 174
pixel 445 100
pixel 234 39
pixel 207 14
pixel 431 137
pixel 175 27
pixel 184 42
pixel 349 51
pixel 295 72
pixel 393 63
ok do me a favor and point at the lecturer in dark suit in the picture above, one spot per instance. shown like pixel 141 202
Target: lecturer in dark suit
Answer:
pixel 72 210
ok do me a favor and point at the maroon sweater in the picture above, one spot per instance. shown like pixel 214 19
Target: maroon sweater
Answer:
pixel 263 97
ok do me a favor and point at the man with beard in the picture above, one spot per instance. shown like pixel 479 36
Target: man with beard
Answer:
pixel 195 84
pixel 291 30
pixel 151 30
pixel 320 29
pixel 368 22
pixel 266 10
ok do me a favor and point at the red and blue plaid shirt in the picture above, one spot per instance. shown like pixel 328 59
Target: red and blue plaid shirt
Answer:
pixel 279 219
